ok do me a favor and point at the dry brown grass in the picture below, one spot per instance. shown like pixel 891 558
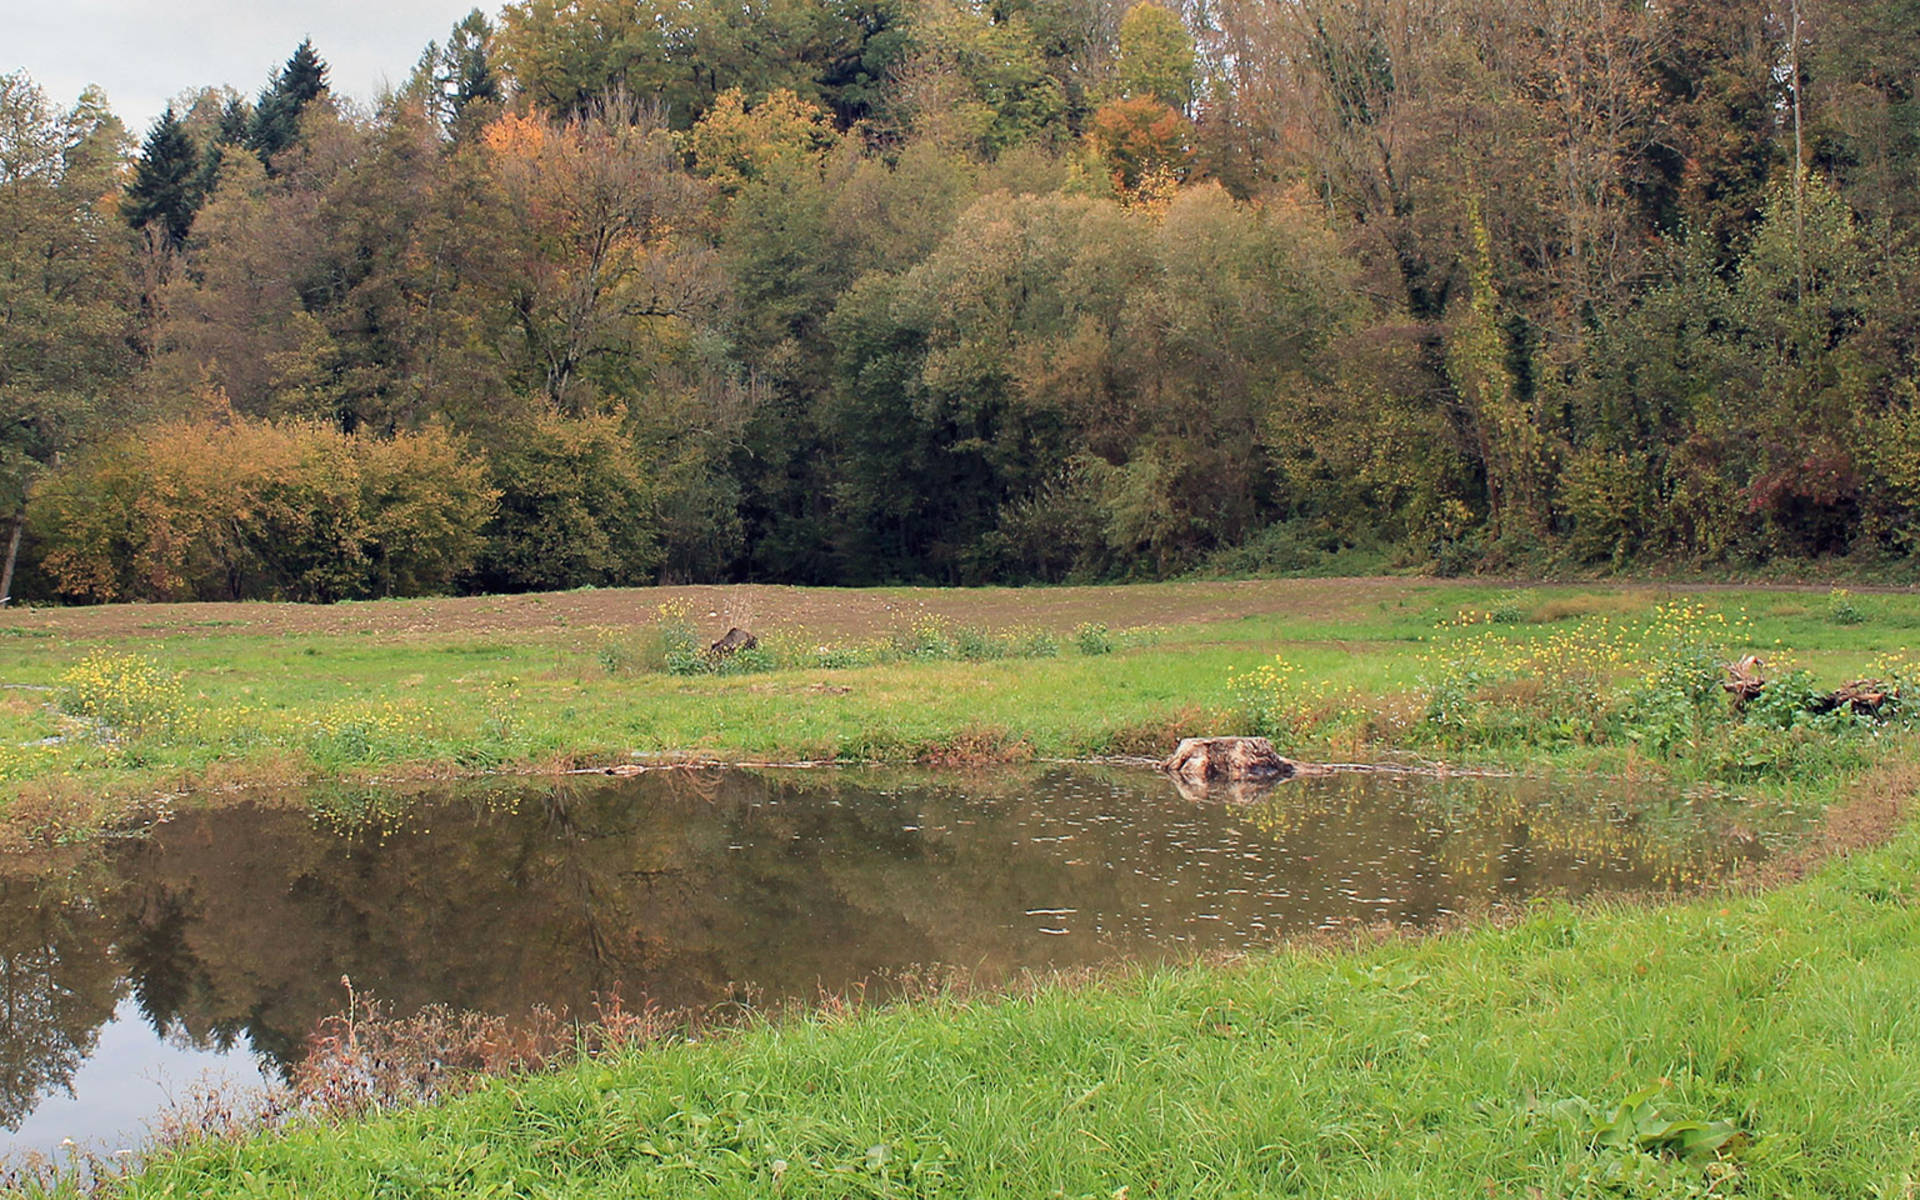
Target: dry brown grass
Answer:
pixel 826 612
pixel 979 747
pixel 1156 739
pixel 50 812
pixel 1613 604
pixel 264 769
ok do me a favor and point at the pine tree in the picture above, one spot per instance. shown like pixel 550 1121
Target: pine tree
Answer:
pixel 165 186
pixel 236 118
pixel 470 74
pixel 276 119
pixel 450 80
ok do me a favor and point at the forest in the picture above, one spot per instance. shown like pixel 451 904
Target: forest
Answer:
pixel 940 291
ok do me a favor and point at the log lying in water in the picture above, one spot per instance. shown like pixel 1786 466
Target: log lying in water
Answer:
pixel 1864 696
pixel 1867 697
pixel 1227 760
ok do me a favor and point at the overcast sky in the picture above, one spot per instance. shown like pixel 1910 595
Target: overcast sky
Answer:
pixel 144 54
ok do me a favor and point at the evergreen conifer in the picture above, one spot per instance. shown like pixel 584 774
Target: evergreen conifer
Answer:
pixel 276 119
pixel 165 186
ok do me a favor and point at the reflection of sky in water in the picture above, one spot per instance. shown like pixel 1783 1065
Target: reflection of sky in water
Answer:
pixel 238 922
pixel 132 1073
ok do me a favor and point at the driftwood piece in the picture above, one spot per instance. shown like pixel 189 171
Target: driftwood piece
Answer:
pixel 736 639
pixel 1864 696
pixel 1744 679
pixel 1867 697
pixel 1227 760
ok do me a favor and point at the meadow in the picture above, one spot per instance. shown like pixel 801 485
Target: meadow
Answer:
pixel 1758 1040
pixel 108 708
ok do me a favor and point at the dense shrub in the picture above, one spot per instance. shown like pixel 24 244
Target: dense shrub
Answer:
pixel 224 507
pixel 575 508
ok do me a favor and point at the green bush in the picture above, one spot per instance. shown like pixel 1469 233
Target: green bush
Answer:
pixel 1093 638
pixel 978 645
pixel 925 640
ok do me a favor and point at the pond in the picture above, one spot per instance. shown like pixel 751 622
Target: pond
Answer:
pixel 219 941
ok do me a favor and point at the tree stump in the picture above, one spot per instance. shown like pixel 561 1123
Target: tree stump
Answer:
pixel 1227 760
pixel 736 639
pixel 1744 680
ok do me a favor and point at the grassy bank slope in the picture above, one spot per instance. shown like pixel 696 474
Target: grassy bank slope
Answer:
pixel 1579 1053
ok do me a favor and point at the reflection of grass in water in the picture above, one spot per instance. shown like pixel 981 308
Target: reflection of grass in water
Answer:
pixel 1673 842
pixel 348 808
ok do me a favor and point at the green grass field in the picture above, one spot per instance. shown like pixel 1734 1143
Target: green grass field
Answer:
pixel 1755 1043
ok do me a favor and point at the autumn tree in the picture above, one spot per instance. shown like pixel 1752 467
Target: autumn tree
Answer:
pixel 1156 56
pixel 64 299
pixel 592 267
pixel 221 506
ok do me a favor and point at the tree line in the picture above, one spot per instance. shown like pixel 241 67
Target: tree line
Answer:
pixel 614 291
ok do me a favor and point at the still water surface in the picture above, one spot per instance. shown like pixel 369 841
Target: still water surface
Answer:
pixel 218 942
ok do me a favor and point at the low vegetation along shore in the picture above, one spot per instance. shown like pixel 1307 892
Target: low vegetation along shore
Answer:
pixel 1757 1042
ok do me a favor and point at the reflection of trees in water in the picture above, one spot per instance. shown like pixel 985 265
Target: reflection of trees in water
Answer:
pixel 58 986
pixel 237 923
pixel 154 953
pixel 562 844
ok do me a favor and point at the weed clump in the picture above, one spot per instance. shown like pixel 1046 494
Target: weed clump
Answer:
pixel 1842 609
pixel 1511 608
pixel 1653 687
pixel 1093 638
pixel 124 696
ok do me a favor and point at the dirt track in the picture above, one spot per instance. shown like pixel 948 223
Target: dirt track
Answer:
pixel 827 611
pixel 836 612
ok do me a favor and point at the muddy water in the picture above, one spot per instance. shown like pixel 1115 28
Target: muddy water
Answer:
pixel 220 940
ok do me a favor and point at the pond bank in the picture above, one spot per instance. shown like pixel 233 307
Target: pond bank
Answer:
pixel 533 902
pixel 1550 1057
pixel 117 705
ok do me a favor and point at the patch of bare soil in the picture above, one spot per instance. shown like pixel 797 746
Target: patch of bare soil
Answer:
pixel 763 608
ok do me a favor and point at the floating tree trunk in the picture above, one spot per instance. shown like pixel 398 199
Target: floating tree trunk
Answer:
pixel 1228 760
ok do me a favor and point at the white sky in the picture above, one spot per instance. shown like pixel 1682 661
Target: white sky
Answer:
pixel 145 54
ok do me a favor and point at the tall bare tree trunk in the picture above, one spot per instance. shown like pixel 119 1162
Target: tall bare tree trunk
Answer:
pixel 13 553
pixel 1799 171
